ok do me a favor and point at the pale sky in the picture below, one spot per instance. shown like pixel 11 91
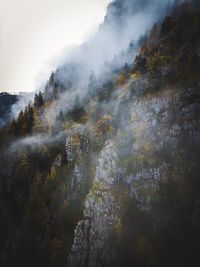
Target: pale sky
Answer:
pixel 32 32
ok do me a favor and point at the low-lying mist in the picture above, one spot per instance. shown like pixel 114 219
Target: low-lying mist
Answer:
pixel 115 43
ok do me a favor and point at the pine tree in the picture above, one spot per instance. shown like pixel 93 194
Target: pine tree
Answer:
pixel 30 119
pixel 167 26
pixel 38 100
pixel 154 35
pixel 144 48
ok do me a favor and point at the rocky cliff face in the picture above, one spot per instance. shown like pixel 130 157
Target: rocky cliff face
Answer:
pixel 161 128
pixel 101 214
pixel 114 178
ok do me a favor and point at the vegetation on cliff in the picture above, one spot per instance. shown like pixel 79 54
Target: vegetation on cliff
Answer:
pixel 122 162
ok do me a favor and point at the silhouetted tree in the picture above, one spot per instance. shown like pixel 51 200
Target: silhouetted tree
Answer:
pixel 154 35
pixel 144 48
pixel 38 100
pixel 167 26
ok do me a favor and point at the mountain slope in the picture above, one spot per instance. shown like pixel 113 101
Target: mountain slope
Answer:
pixel 143 208
pixel 110 178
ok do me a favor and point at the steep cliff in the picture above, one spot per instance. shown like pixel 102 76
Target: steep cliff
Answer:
pixel 155 145
pixel 159 145
pixel 111 179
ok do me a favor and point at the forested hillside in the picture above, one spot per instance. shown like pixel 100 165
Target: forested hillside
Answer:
pixel 110 177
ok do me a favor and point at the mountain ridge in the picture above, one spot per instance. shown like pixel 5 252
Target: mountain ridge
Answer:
pixel 110 178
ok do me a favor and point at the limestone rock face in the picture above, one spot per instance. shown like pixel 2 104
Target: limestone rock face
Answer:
pixel 155 122
pixel 78 181
pixel 57 163
pixel 103 168
pixel 101 215
pixel 148 140
pixel 77 142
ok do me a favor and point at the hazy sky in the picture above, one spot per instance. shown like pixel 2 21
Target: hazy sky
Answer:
pixel 32 32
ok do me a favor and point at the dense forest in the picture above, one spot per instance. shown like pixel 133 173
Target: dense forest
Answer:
pixel 112 180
